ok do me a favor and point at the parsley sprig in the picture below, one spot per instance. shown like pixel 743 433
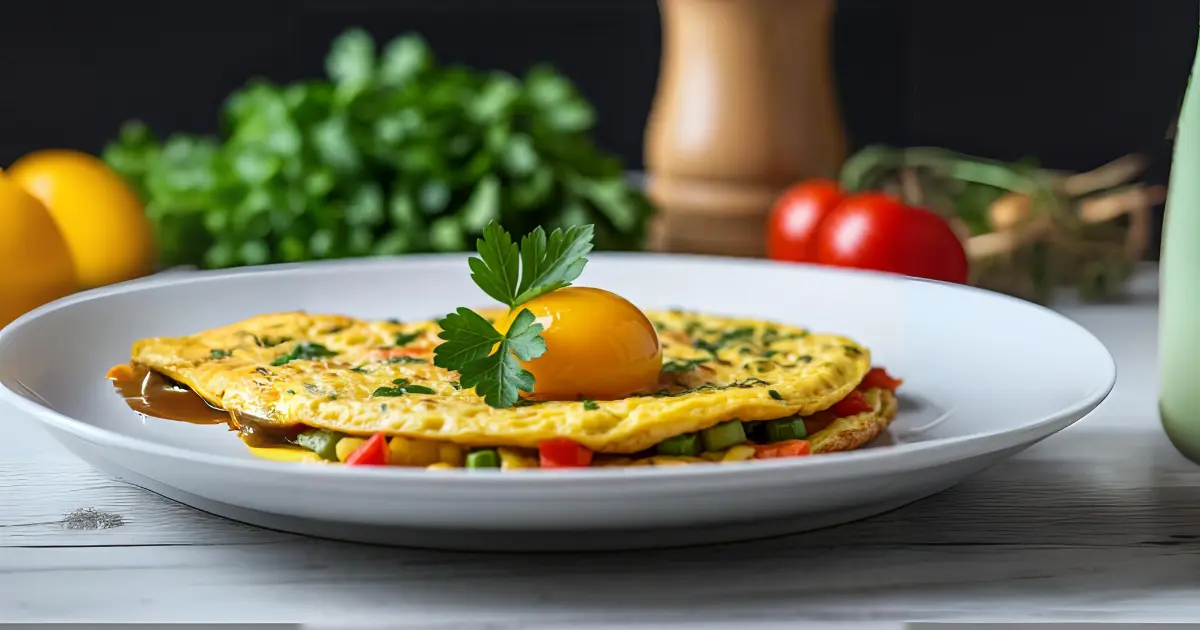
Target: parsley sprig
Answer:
pixel 512 276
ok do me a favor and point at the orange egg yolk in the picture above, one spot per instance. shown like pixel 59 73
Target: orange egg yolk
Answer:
pixel 598 345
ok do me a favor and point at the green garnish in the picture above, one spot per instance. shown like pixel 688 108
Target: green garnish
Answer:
pixel 359 369
pixel 262 370
pixel 786 429
pixel 737 334
pixel 774 394
pixel 467 347
pixel 687 444
pixel 402 387
pixel 589 404
pixel 291 392
pixel 321 442
pixel 220 354
pixel 487 458
pixel 723 436
pixel 407 360
pixel 512 276
pixel 683 365
pixel 403 339
pixel 852 350
pixel 304 350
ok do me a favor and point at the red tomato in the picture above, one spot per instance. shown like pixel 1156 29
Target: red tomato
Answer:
pixel 878 378
pixel 851 405
pixel 789 448
pixel 564 453
pixel 875 231
pixel 793 221
pixel 373 452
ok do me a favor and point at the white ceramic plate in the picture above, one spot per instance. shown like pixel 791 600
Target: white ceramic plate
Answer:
pixel 985 376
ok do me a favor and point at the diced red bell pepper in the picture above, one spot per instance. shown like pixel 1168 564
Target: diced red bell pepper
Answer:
pixel 878 378
pixel 788 448
pixel 851 405
pixel 564 453
pixel 373 452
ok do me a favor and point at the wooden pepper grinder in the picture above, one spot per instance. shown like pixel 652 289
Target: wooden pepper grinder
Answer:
pixel 745 106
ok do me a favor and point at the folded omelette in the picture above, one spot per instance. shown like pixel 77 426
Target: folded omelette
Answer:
pixel 314 387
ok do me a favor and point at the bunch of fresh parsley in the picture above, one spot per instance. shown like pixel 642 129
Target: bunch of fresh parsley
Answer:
pixel 513 276
pixel 392 154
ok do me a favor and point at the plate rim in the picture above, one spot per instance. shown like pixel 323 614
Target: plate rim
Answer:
pixel 736 470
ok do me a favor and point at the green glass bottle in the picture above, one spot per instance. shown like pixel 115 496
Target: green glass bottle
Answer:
pixel 1179 298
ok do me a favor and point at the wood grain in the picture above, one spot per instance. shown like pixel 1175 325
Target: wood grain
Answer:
pixel 1099 522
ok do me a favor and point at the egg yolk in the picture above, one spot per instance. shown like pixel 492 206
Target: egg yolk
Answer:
pixel 598 345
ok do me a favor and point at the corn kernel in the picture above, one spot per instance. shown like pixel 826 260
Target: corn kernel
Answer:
pixel 347 445
pixel 441 466
pixel 450 454
pixel 511 458
pixel 713 456
pixel 739 453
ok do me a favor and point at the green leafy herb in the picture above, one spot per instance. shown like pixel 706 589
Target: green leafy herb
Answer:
pixel 407 360
pixel 402 387
pixel 512 276
pixel 683 365
pixel 853 350
pixel 359 369
pixel 542 264
pixel 219 354
pixel 496 376
pixel 742 384
pixel 589 404
pixel 403 339
pixel 291 392
pixel 774 394
pixel 744 333
pixel 391 153
pixel 262 370
pixel 304 350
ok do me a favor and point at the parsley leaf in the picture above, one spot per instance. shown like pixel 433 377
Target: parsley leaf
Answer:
pixel 304 350
pixel 551 264
pixel 497 268
pixel 496 376
pixel 217 353
pixel 589 404
pixel 402 387
pixel 542 264
pixel 406 360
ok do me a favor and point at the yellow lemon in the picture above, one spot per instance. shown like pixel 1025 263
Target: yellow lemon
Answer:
pixel 35 262
pixel 100 216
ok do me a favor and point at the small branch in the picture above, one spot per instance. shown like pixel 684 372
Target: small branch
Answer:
pixel 1115 173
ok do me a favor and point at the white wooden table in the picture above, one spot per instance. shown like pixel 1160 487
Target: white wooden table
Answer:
pixel 1100 522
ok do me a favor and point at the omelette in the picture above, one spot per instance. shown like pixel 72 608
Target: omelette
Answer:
pixel 329 388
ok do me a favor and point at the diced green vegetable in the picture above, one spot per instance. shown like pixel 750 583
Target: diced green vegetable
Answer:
pixel 687 444
pixel 487 458
pixel 723 436
pixel 321 442
pixel 786 429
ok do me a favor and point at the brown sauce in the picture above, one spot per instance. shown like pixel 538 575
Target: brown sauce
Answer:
pixel 152 394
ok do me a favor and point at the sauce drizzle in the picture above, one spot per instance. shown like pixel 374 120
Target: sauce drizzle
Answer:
pixel 151 394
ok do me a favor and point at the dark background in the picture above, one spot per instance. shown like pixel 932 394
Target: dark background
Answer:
pixel 1073 83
